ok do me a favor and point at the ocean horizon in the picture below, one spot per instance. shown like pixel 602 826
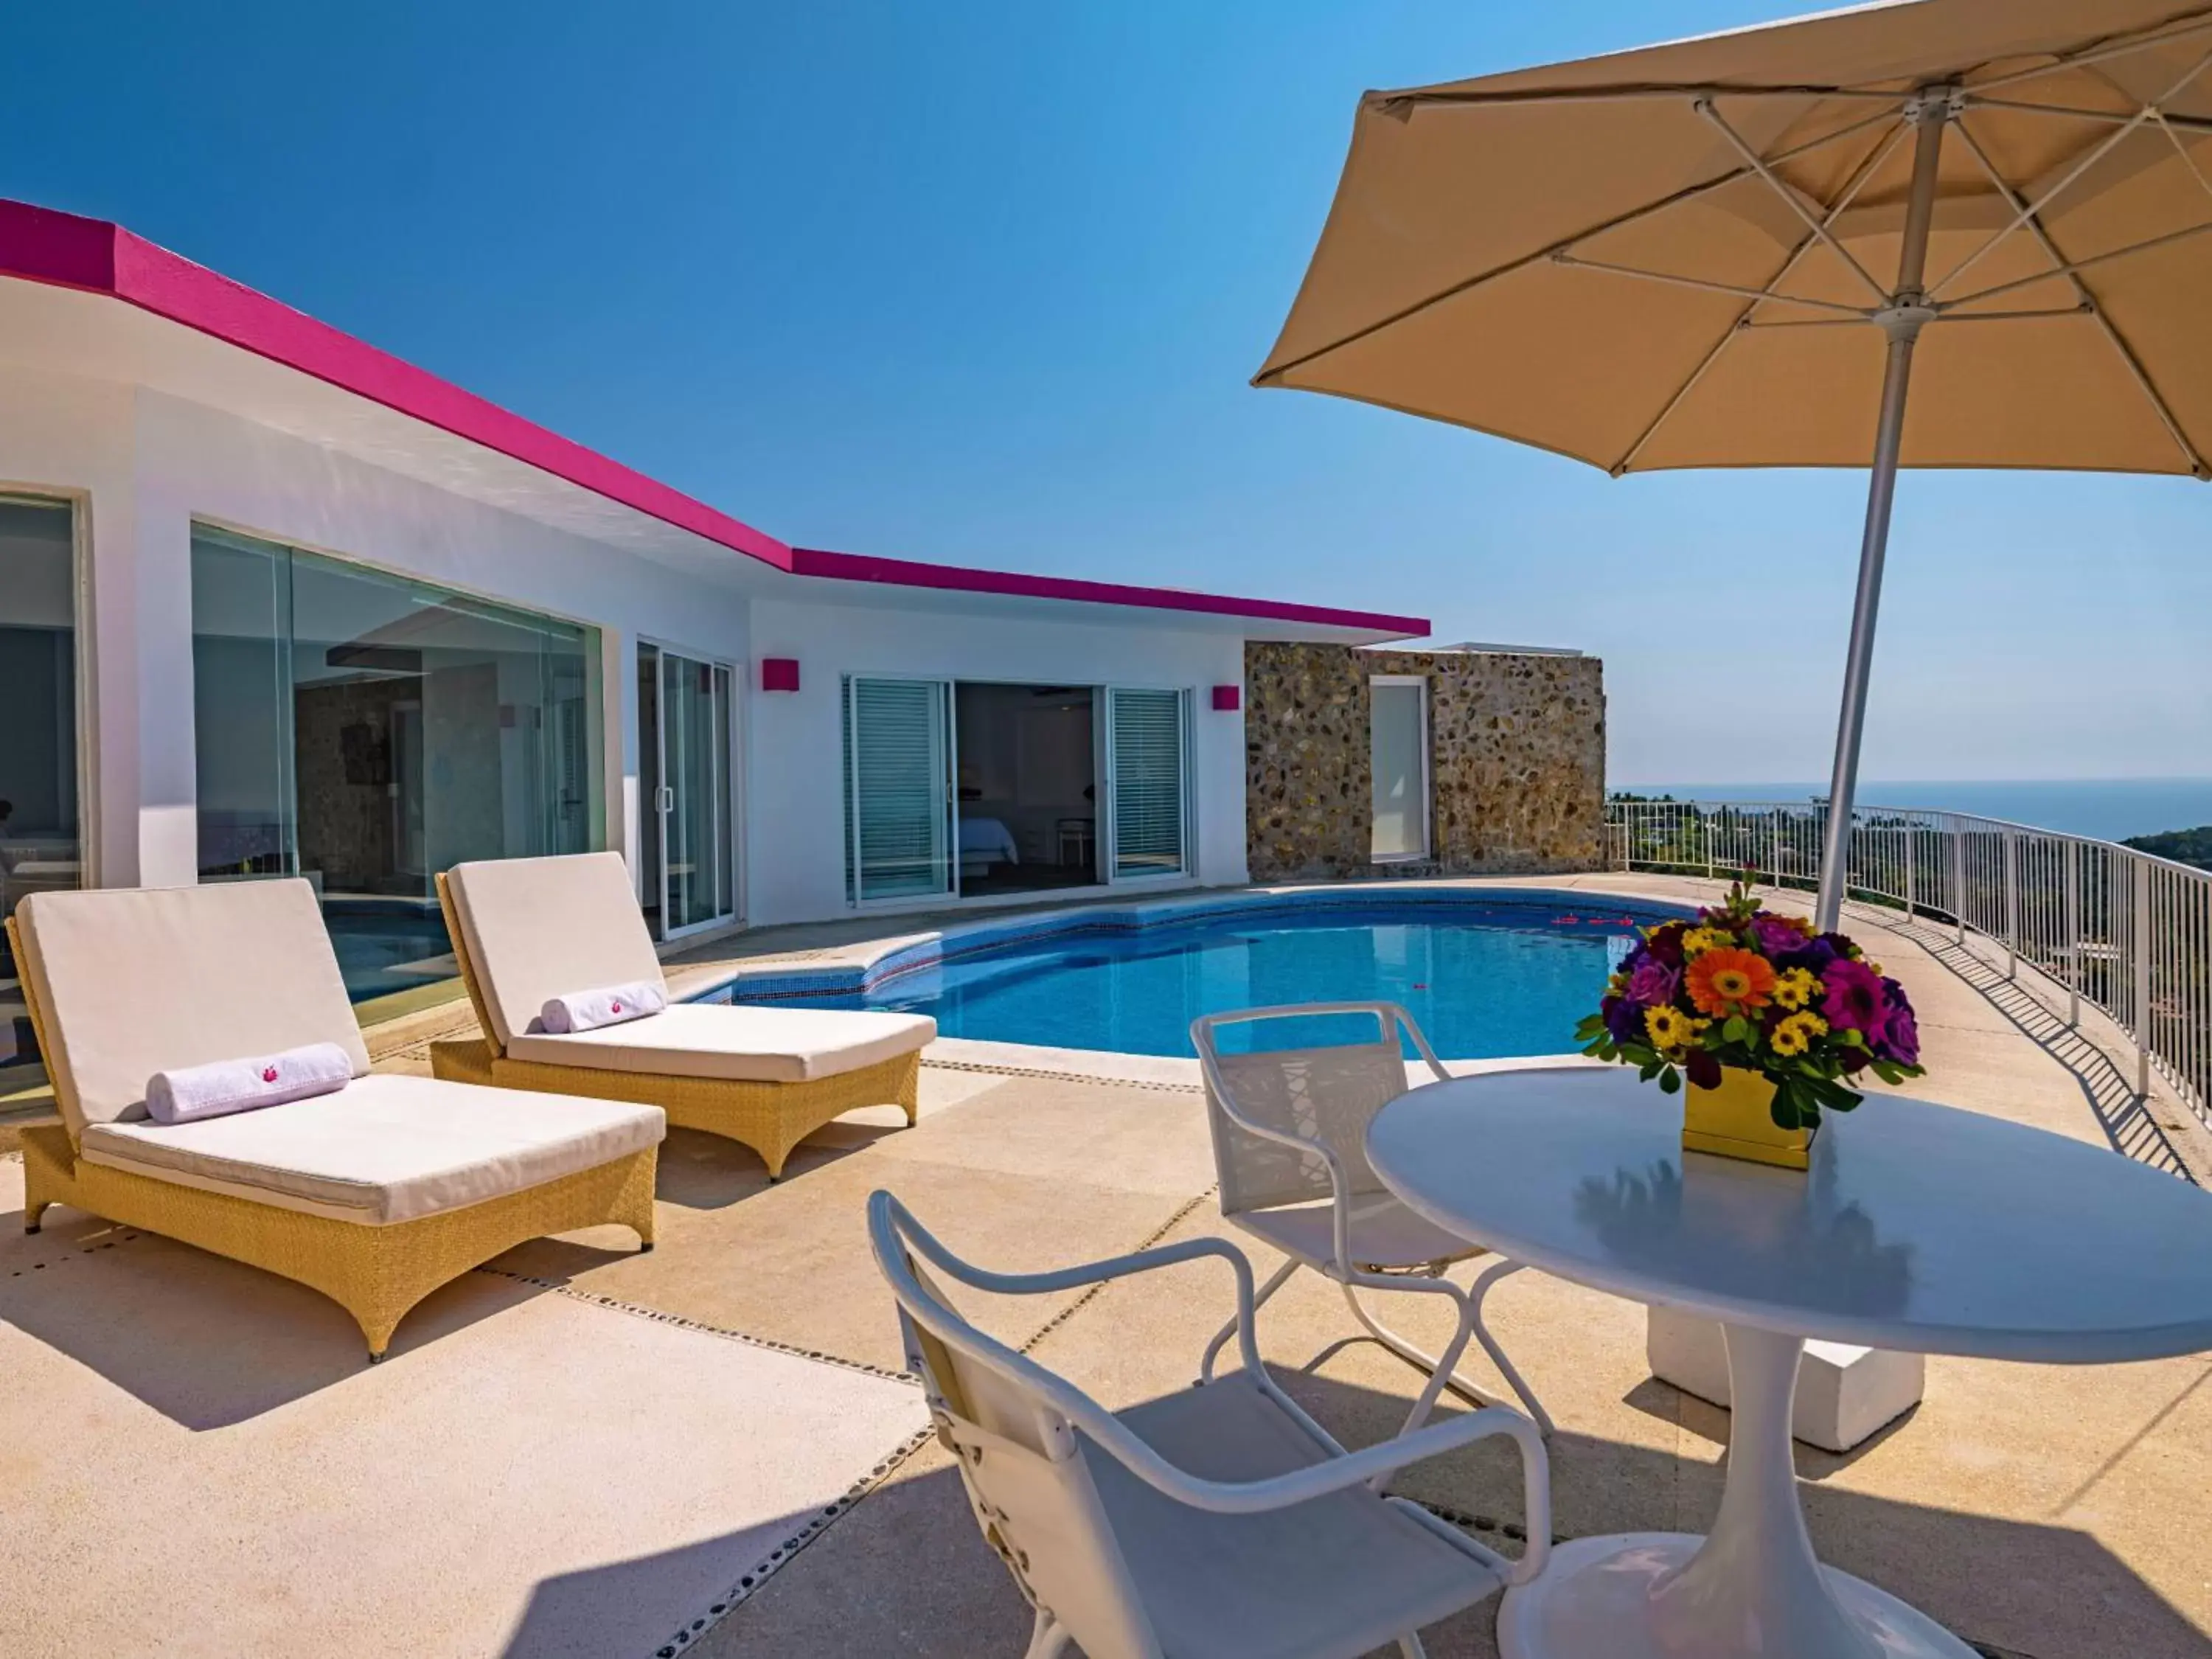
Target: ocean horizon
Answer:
pixel 2109 809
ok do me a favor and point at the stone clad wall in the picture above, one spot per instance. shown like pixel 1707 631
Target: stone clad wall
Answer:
pixel 1517 760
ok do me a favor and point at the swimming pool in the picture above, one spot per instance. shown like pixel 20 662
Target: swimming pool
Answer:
pixel 1484 978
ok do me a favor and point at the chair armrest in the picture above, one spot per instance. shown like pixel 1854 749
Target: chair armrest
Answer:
pixel 1355 1468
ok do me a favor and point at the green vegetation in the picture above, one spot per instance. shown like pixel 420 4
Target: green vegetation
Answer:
pixel 2182 846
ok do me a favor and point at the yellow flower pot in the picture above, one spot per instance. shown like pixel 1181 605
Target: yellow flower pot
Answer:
pixel 1736 1120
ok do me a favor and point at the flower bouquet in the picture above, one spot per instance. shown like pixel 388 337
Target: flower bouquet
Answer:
pixel 1767 1019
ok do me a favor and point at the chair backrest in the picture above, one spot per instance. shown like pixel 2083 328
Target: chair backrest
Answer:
pixel 534 929
pixel 1006 1419
pixel 1322 1096
pixel 128 981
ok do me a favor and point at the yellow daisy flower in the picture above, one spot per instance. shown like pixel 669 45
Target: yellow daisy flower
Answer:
pixel 1698 941
pixel 1795 988
pixel 1795 1033
pixel 1669 1027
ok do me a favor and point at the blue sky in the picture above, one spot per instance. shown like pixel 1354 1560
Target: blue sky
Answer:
pixel 985 283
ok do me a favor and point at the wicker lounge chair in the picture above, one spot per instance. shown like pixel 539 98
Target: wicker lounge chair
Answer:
pixel 1220 1520
pixel 374 1195
pixel 526 930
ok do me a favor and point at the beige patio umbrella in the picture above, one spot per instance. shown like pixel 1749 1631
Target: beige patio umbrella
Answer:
pixel 1737 251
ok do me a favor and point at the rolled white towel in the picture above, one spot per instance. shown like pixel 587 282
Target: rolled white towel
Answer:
pixel 192 1092
pixel 610 1005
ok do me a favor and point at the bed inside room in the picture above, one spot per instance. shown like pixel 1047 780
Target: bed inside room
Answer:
pixel 1027 786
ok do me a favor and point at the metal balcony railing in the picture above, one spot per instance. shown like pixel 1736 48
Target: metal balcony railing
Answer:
pixel 2123 931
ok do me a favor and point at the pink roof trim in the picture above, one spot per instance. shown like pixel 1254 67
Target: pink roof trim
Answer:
pixel 64 250
pixel 61 249
pixel 958 579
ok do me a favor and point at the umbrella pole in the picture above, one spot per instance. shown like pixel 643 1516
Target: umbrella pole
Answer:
pixel 1902 320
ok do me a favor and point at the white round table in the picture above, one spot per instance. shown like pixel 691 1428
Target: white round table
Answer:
pixel 1919 1228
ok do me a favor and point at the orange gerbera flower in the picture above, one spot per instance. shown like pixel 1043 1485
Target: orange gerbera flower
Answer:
pixel 1729 981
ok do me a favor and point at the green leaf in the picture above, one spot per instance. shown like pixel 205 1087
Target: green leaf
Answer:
pixel 1736 1028
pixel 1670 1081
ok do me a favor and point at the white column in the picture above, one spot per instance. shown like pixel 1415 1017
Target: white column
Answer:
pixel 618 714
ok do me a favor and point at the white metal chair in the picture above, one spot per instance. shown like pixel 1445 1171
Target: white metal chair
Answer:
pixel 1220 1521
pixel 1290 1144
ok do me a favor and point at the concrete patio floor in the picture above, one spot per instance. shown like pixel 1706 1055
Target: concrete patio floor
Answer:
pixel 582 1450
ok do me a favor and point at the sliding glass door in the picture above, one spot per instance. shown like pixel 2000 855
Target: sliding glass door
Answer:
pixel 685 707
pixel 898 776
pixel 981 789
pixel 367 732
pixel 1147 782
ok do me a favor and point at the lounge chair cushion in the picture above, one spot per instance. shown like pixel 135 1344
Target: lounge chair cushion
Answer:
pixel 539 929
pixel 137 981
pixel 386 1148
pixel 749 1045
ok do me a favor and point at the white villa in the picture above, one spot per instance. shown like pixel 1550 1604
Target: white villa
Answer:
pixel 273 601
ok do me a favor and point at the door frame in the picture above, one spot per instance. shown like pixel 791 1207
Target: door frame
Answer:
pixel 1427 781
pixel 654 816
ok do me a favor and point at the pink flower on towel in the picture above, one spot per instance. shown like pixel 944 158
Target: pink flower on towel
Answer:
pixel 614 1007
pixel 268 1074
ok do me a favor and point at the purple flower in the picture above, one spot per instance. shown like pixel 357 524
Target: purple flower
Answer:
pixel 1623 1020
pixel 1855 1000
pixel 1667 943
pixel 1776 936
pixel 1651 982
pixel 1901 1034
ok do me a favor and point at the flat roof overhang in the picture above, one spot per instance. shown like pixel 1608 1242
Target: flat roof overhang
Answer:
pixel 88 298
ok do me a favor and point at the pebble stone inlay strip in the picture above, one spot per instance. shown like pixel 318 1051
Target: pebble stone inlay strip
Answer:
pixel 996 1069
pixel 749 1584
pixel 637 1311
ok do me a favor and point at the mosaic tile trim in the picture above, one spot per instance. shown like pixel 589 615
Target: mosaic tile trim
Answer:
pixel 769 1344
pixel 1553 905
pixel 749 1584
pixel 1066 1077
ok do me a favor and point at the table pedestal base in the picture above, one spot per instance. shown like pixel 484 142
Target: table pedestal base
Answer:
pixel 1597 1596
pixel 1750 1591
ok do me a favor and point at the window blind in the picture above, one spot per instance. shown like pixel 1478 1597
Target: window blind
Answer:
pixel 1146 741
pixel 900 839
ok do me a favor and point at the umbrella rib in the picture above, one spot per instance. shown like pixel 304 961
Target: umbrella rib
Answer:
pixel 2085 264
pixel 1392 102
pixel 2114 118
pixel 2097 152
pixel 2158 36
pixel 1865 170
pixel 1688 193
pixel 2166 123
pixel 1752 160
pixel 2034 224
pixel 1573 262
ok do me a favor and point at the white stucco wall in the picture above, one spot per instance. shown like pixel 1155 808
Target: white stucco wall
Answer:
pixel 144 466
pixel 795 852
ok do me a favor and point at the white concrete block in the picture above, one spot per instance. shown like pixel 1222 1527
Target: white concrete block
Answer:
pixel 1844 1393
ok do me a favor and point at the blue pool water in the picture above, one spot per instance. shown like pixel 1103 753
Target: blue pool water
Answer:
pixel 1483 981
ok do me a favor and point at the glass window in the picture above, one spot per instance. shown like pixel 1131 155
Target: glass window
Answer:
pixel 39 827
pixel 1145 748
pixel 368 731
pixel 899 844
pixel 1399 755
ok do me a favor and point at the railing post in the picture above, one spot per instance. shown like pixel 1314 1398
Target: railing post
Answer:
pixel 1912 870
pixel 1705 835
pixel 2141 931
pixel 1959 880
pixel 2012 904
pixel 2073 932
